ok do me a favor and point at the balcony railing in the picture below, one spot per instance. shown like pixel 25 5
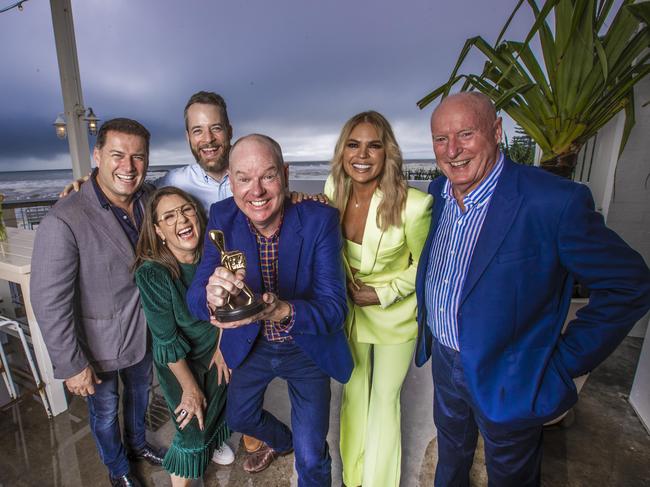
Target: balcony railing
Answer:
pixel 29 213
pixel 25 213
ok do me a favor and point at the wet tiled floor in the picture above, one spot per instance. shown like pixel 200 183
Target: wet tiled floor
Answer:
pixel 605 446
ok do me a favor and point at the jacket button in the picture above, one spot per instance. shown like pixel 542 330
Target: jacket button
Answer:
pixel 249 340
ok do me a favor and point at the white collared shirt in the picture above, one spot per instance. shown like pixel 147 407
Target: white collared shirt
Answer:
pixel 195 181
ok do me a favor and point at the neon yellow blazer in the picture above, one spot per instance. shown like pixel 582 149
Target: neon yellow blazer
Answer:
pixel 389 262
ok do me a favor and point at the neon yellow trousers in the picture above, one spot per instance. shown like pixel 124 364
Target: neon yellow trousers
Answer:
pixel 371 447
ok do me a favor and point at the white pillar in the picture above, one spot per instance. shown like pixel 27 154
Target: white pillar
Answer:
pixel 537 157
pixel 640 393
pixel 73 104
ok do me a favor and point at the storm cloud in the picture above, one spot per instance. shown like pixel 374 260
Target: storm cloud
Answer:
pixel 295 70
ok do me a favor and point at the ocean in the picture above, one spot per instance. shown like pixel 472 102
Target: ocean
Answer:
pixel 27 185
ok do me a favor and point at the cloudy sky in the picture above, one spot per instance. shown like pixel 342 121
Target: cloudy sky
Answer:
pixel 293 69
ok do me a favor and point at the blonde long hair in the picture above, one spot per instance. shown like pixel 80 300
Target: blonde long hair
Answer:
pixel 391 181
pixel 150 247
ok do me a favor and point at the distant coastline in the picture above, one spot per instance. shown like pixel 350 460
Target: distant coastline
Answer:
pixel 47 183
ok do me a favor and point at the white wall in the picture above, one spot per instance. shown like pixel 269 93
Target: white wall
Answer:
pixel 602 153
pixel 629 215
pixel 629 210
pixel 640 393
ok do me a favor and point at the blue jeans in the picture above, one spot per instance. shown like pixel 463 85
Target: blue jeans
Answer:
pixel 512 456
pixel 103 407
pixel 309 393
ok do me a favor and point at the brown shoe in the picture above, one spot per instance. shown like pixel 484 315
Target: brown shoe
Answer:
pixel 251 444
pixel 260 460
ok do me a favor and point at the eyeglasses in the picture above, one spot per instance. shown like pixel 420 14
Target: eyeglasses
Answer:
pixel 171 217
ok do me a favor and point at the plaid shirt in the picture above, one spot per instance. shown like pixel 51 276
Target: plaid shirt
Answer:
pixel 268 249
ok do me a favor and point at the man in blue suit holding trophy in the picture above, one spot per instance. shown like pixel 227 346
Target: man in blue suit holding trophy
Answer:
pixel 293 259
pixel 494 284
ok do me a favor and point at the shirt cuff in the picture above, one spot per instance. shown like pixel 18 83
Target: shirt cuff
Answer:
pixel 387 296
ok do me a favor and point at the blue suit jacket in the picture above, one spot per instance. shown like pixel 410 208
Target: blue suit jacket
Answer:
pixel 540 233
pixel 310 277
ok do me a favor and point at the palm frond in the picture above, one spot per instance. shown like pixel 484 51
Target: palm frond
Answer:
pixel 585 76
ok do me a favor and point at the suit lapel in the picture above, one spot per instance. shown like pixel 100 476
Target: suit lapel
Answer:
pixel 105 222
pixel 501 213
pixel 372 235
pixel 290 246
pixel 435 189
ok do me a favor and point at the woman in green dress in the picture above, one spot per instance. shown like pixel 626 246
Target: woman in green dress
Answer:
pixel 186 353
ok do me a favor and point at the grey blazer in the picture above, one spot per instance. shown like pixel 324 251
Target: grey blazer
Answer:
pixel 83 293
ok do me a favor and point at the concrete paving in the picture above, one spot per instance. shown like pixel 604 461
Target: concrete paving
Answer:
pixel 605 446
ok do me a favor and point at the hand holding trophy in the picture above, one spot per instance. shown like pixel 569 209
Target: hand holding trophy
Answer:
pixel 237 306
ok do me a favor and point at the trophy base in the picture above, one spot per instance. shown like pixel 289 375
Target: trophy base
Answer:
pixel 225 315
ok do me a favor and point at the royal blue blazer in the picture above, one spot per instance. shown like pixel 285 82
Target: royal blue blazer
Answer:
pixel 540 234
pixel 310 276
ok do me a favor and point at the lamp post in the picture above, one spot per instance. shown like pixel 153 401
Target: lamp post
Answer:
pixel 66 53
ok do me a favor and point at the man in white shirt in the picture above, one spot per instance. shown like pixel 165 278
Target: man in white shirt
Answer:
pixel 208 132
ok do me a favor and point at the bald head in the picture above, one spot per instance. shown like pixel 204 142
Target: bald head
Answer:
pixel 259 143
pixel 474 101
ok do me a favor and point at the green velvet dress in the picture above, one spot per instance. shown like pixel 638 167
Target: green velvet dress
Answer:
pixel 177 335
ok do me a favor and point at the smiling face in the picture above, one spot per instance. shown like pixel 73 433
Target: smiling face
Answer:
pixel 208 134
pixel 465 135
pixel 121 166
pixel 364 154
pixel 257 183
pixel 177 225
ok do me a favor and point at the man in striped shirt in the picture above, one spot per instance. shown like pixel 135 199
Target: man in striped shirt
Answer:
pixel 494 284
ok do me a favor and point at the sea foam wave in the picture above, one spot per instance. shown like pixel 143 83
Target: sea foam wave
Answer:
pixel 26 185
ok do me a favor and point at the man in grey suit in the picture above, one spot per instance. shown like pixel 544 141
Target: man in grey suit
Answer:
pixel 85 299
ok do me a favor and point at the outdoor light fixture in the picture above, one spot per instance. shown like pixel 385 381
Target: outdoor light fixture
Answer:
pixel 59 126
pixel 92 122
pixel 90 119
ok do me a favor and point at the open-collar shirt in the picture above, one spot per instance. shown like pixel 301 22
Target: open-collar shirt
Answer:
pixel 131 228
pixel 194 180
pixel 451 254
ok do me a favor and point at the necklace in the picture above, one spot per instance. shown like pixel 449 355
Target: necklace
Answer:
pixel 365 198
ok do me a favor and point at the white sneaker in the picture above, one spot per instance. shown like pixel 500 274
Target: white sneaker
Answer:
pixel 223 455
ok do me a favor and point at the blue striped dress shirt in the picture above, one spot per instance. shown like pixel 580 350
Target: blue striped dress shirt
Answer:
pixel 451 254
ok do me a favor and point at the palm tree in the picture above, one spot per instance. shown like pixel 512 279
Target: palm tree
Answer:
pixel 521 147
pixel 587 74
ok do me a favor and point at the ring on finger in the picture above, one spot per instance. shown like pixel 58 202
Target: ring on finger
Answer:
pixel 183 413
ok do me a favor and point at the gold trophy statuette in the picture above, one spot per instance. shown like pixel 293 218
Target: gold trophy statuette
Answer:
pixel 246 303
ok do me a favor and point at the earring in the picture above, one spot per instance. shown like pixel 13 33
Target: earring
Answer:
pixel 164 242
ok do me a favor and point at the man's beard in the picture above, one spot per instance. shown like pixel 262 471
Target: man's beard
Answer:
pixel 214 166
